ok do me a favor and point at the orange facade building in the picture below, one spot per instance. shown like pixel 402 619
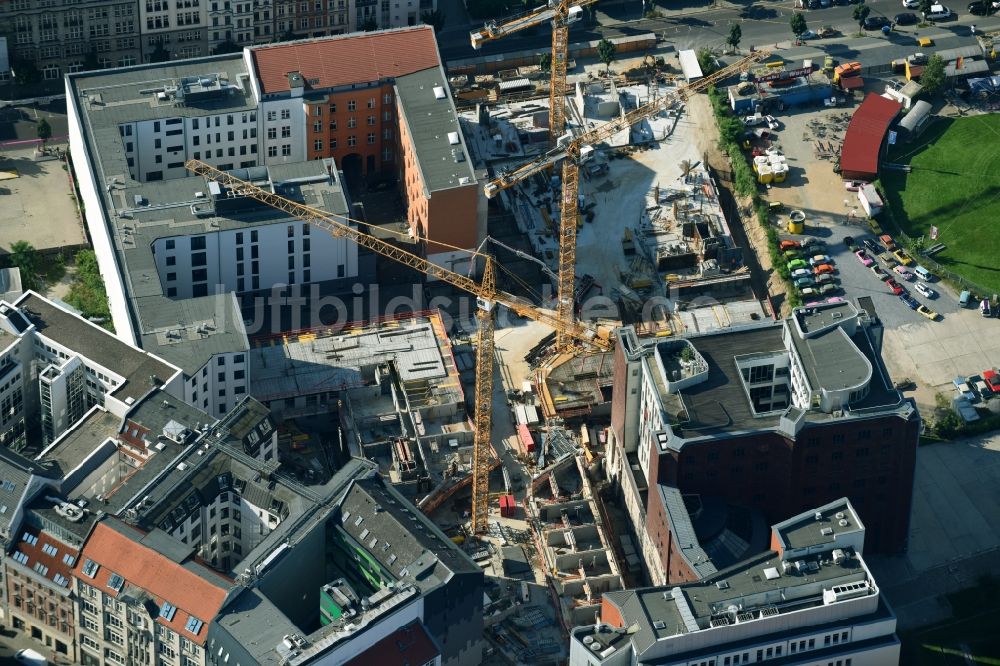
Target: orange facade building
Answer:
pixel 379 104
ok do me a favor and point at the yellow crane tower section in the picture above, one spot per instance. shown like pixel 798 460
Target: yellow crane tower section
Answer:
pixel 572 152
pixel 562 13
pixel 487 297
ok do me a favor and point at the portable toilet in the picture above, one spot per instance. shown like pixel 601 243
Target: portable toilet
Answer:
pixel 764 174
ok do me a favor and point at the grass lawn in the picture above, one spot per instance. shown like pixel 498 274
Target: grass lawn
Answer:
pixel 973 630
pixel 954 185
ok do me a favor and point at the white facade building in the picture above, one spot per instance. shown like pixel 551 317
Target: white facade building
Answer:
pixel 810 601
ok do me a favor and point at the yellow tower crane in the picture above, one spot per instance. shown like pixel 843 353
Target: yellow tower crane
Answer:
pixel 572 152
pixel 487 297
pixel 561 13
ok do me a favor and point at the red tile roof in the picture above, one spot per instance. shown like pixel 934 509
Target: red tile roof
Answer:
pixel 54 564
pixel 409 645
pixel 164 579
pixel 339 61
pixel 863 140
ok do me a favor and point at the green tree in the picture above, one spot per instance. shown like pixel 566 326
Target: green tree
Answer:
pixel 87 292
pixel 160 53
pixel 606 52
pixel 44 130
pixel 707 61
pixel 90 61
pixel 798 23
pixel 24 255
pixel 435 19
pixel 932 79
pixel 545 61
pixel 861 12
pixel 228 46
pixel 735 35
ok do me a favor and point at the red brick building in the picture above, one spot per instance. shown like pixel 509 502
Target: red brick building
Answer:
pixel 777 418
pixel 379 104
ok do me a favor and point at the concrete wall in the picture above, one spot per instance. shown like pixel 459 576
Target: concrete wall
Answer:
pixel 97 224
pixel 454 617
pixel 219 384
pixel 292 583
pixel 280 114
pixel 375 112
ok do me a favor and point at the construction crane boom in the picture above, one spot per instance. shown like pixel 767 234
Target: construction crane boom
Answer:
pixel 339 226
pixel 581 146
pixel 494 29
pixel 487 297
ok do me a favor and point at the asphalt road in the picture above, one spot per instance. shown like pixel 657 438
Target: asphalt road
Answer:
pixel 763 25
pixel 17 123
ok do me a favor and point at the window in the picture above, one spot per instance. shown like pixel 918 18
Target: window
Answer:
pixel 286 149
pixel 352 140
pixel 352 105
pixel 286 114
pixel 371 120
pixel 333 108
pixel 272 151
pixel 352 122
pixel 371 103
pixel 286 131
pixel 272 115
pixel 318 144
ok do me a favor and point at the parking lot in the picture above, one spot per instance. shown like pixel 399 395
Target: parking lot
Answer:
pixel 960 343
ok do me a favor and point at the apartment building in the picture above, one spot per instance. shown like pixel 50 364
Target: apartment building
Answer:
pixel 811 601
pixel 65 36
pixel 390 114
pixel 143 597
pixel 177 252
pixel 770 417
pixel 172 29
pixel 39 572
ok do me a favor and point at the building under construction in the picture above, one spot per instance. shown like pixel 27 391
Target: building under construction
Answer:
pixel 394 386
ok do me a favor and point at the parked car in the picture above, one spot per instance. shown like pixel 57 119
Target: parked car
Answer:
pixel 828 30
pixel 801 272
pixel 754 120
pixel 876 22
pixel 828 288
pixel 902 272
pixel 772 122
pixel 879 273
pixel 818 259
pixel 30 658
pixel 902 257
pixel 906 18
pixel 983 7
pixel 983 391
pixel 964 389
pixel 911 4
pixel 797 263
pixel 924 290
pixel 789 245
pixel 870 244
pixel 809 291
pixel 984 308
pixel 905 385
pixel 824 278
pixel 853 185
pixel 864 258
pixel 927 312
pixel 848 241
pixel 911 302
pixel 814 243
pixel 803 282
pixel 887 242
pixel 823 268
pixel 939 13
pixel 792 254
pixel 894 286
pixel 807 35
pixel 992 379
pixel 835 299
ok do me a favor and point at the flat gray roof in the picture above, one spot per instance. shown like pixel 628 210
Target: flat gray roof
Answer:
pixel 805 530
pixel 140 369
pixel 74 446
pixel 107 99
pixel 831 360
pixel 691 607
pixel 720 402
pixel 430 121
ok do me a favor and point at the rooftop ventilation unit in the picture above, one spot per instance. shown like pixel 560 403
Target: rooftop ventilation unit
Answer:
pixel 826 531
pixel 439 92
pixel 453 138
pixel 843 522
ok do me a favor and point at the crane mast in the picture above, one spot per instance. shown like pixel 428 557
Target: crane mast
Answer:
pixel 572 153
pixel 487 297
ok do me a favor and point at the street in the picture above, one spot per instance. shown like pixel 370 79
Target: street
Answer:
pixel 764 25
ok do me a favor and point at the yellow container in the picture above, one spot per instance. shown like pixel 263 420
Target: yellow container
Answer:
pixel 925 41
pixel 779 175
pixel 796 227
pixel 764 175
